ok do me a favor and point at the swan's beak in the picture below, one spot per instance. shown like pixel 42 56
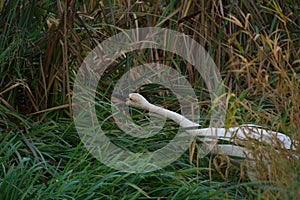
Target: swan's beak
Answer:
pixel 120 97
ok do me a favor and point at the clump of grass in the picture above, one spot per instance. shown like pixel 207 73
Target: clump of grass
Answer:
pixel 43 43
pixel 263 50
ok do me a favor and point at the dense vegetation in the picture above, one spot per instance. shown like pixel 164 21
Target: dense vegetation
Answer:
pixel 255 45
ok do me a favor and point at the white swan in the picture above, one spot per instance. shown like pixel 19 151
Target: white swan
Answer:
pixel 240 135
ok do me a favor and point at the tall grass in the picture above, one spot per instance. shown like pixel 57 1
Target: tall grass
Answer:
pixel 42 45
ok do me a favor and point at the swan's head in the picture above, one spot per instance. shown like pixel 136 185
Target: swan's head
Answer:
pixel 138 101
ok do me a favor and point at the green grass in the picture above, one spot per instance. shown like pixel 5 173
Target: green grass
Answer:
pixel 56 169
pixel 42 44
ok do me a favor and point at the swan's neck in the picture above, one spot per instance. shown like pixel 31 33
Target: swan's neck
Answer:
pixel 179 119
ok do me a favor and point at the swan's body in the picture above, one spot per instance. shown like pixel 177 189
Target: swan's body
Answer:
pixel 237 135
